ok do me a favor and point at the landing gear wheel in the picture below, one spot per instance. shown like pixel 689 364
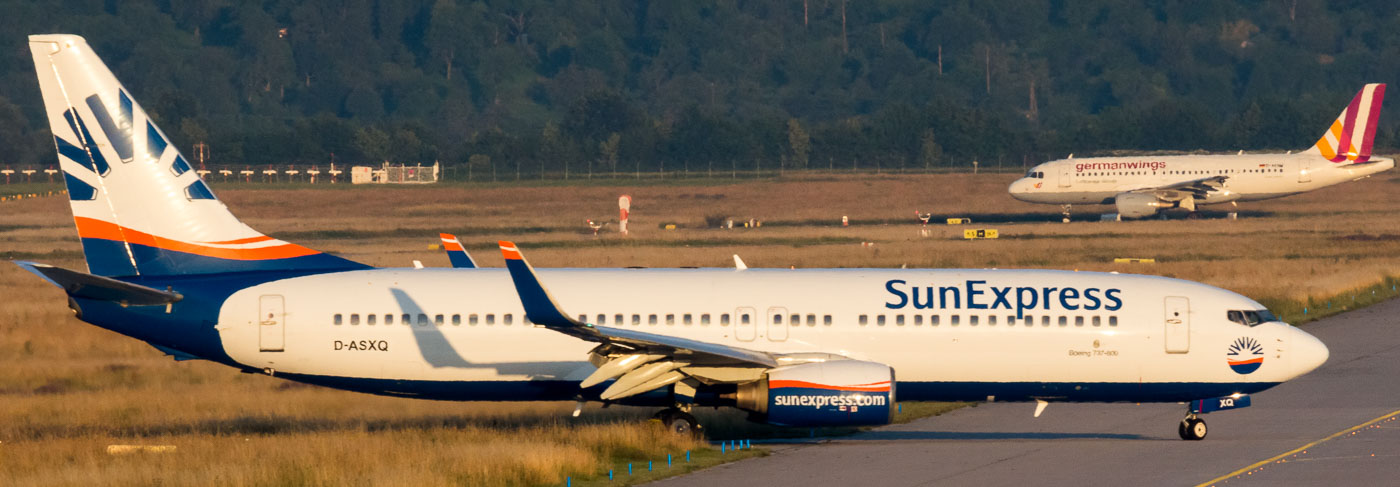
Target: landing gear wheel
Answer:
pixel 1192 429
pixel 679 422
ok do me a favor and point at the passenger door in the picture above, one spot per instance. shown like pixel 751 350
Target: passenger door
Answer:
pixel 1065 177
pixel 777 329
pixel 744 327
pixel 1178 324
pixel 271 323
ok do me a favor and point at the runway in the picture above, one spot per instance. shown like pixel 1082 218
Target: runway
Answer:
pixel 1341 423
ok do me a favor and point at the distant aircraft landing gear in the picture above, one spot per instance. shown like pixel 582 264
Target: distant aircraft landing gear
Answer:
pixel 1192 428
pixel 1064 211
pixel 679 422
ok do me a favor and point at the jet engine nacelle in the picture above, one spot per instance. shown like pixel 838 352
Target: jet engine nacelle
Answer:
pixel 834 393
pixel 1138 205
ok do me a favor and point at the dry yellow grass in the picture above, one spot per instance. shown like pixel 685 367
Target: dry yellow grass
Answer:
pixel 69 389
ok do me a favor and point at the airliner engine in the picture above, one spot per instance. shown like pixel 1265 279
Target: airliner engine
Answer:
pixel 835 393
pixel 1138 205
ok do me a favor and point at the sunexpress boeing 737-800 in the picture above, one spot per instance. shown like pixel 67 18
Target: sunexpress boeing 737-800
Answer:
pixel 169 265
pixel 1142 186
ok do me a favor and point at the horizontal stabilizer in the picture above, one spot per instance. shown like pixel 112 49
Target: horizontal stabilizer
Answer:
pixel 88 286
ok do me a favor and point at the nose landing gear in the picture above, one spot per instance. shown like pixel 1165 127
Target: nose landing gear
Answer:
pixel 1192 428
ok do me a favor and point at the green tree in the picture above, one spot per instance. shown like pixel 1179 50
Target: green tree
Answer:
pixel 929 150
pixel 799 142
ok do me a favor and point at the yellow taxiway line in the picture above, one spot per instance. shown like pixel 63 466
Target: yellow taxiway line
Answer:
pixel 1299 449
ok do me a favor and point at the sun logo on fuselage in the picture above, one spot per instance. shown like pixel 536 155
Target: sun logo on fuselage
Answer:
pixel 1244 355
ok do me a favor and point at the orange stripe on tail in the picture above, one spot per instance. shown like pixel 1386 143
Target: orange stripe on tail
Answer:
pixel 98 229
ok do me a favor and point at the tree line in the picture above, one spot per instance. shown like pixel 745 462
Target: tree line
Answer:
pixel 544 86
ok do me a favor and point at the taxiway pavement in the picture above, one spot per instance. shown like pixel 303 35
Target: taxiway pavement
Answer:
pixel 1340 423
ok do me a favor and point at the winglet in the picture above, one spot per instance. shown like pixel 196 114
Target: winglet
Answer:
pixel 456 253
pixel 540 307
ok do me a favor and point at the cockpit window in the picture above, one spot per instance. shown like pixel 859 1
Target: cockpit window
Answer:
pixel 1250 317
pixel 1035 174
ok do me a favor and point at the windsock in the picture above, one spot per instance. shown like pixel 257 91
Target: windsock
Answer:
pixel 624 206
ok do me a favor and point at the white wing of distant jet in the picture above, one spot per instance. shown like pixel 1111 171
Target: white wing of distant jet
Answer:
pixel 1185 193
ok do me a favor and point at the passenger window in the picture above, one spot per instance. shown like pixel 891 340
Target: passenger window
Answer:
pixel 670 319
pixel 1113 321
pixel 953 320
pixel 602 319
pixel 388 319
pixel 705 319
pixel 685 319
pixel 933 320
pixel 338 318
pixel 422 319
pixel 1030 320
pixel 472 319
pixel 777 319
pixel 1097 321
pixel 899 320
pixel 1010 320
pixel 826 320
pixel 724 319
pixel 864 320
pixel 972 320
pixel 490 318
pixel 1064 321
pixel 795 320
pixel 456 320
pixel 370 319
pixel 880 320
pixel 651 320
pixel 1079 321
pixel 437 320
pixel 992 320
pixel 811 320
pixel 619 319
pixel 636 320
pixel 508 319
pixel 918 320
pixel 583 318
pixel 743 318
pixel 355 319
pixel 1044 321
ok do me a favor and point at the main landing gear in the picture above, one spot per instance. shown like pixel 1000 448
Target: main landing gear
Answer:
pixel 1064 213
pixel 1192 428
pixel 679 422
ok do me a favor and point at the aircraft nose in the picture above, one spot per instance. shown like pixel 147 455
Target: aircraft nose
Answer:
pixel 1018 187
pixel 1309 353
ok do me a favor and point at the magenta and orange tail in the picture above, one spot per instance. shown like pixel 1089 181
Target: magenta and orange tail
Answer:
pixel 1349 139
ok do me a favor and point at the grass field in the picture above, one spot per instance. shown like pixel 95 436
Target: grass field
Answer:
pixel 68 390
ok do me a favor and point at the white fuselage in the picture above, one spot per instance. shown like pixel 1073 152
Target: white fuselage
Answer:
pixel 467 325
pixel 1097 180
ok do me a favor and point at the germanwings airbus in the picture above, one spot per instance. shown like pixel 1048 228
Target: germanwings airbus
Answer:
pixel 1142 186
pixel 168 264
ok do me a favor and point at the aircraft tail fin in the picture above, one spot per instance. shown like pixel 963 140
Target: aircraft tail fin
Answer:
pixel 139 207
pixel 456 253
pixel 1349 139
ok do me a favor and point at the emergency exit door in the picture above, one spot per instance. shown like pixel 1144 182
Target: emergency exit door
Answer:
pixel 1178 324
pixel 777 331
pixel 271 323
pixel 1065 177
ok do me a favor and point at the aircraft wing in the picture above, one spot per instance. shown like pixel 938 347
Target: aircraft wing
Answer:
pixel 1196 187
pixel 639 360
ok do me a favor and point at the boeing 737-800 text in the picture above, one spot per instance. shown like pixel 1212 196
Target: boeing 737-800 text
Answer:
pixel 1143 186
pixel 169 265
